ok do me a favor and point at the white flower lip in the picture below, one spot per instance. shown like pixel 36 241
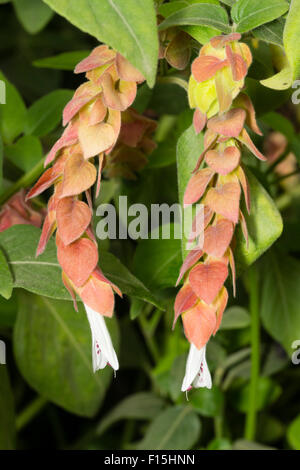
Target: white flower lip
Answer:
pixel 102 348
pixel 196 373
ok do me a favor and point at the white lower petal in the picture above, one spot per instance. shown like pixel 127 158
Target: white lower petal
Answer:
pixel 193 364
pixel 102 347
pixel 203 378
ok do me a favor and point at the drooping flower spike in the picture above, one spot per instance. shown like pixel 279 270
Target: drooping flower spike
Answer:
pixel 218 181
pixel 94 121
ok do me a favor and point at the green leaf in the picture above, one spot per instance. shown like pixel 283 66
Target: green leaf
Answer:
pixel 52 347
pixel 202 34
pixel 228 2
pixel 176 428
pixel 136 308
pixel 219 444
pixel 291 68
pixel 167 9
pixel 214 16
pixel 280 81
pixel 271 33
pixel 293 433
pixel 189 147
pixel 127 282
pixel 143 405
pixel 235 318
pixel 280 299
pixel 264 225
pixel 269 429
pixel 7 412
pixel 291 37
pixel 8 311
pixel 42 275
pixel 32 14
pixel 242 444
pixel 249 14
pixel 64 61
pixel 281 124
pixel 12 114
pixel 25 153
pixel 265 99
pixel 129 27
pixel 45 114
pixel 6 280
pixel 1 163
pixel 207 402
pixel 157 261
pixel 268 392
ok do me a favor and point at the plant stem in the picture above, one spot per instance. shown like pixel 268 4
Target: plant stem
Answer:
pixel 25 181
pixel 146 330
pixel 30 412
pixel 174 80
pixel 250 425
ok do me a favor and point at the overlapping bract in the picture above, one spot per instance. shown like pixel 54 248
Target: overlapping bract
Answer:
pixel 17 211
pixel 218 181
pixel 93 125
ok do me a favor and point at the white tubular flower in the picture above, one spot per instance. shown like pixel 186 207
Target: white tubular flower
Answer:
pixel 196 372
pixel 102 347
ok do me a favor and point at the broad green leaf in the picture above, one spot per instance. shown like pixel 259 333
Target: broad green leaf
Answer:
pixel 280 299
pixel 265 99
pixel 202 34
pixel 271 32
pixel 249 14
pixel 264 225
pixel 64 61
pixel 242 444
pixel 136 308
pixel 7 412
pixel 176 428
pixel 229 2
pixel 127 282
pixel 291 38
pixel 45 114
pixel 214 16
pixel 207 402
pixel 8 311
pixel 143 405
pixel 42 275
pixel 293 433
pixel 12 114
pixel 25 153
pixel 167 9
pixel 52 347
pixel 280 123
pixel 268 391
pixel 157 261
pixel 291 67
pixel 235 318
pixel 6 280
pixel 189 148
pixel 129 27
pixel 280 81
pixel 269 429
pixel 1 163
pixel 32 14
pixel 219 444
